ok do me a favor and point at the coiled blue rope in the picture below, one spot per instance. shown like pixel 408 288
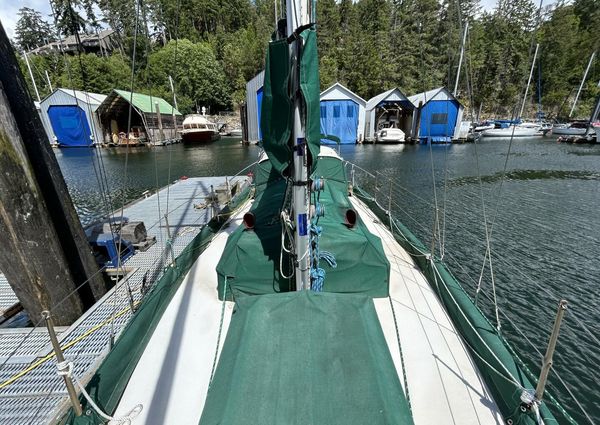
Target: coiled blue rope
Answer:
pixel 317 274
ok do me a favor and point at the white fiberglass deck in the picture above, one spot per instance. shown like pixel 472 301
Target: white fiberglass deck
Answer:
pixel 444 386
pixel 171 378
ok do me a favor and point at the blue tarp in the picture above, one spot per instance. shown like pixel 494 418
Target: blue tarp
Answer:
pixel 70 125
pixel 259 97
pixel 339 118
pixel 438 120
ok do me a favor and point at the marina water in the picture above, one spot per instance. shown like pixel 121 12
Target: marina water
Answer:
pixel 546 233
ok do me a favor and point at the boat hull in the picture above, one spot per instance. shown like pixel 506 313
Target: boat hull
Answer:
pixel 390 136
pixel 510 132
pixel 567 131
pixel 197 137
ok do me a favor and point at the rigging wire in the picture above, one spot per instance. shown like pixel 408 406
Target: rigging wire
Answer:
pixel 499 196
pixel 173 107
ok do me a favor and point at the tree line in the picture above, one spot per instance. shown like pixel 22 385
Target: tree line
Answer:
pixel 211 48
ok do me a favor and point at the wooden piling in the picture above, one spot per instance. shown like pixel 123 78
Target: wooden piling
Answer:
pixel 44 253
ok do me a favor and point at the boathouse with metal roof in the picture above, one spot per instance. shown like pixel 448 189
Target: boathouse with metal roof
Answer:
pixel 254 95
pixel 69 117
pixel 148 115
pixel 342 114
pixel 438 116
pixel 387 109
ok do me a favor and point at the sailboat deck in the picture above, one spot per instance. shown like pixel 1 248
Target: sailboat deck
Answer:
pixel 171 378
pixel 438 369
pixel 39 393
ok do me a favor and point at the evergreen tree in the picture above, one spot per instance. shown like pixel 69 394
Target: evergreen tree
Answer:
pixel 32 30
pixel 328 19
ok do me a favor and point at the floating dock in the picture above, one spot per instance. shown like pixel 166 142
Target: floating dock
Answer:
pixel 31 392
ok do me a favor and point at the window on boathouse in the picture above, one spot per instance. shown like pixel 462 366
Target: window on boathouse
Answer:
pixel 336 111
pixel 439 119
pixel 323 111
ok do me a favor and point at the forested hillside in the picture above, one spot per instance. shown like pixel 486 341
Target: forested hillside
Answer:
pixel 212 47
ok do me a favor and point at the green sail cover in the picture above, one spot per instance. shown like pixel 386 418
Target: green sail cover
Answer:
pixel 250 260
pixel 311 91
pixel 110 380
pixel 305 358
pixel 276 120
pixel 491 352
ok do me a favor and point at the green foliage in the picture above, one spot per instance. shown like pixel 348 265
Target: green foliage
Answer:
pixel 31 29
pixel 368 45
pixel 200 79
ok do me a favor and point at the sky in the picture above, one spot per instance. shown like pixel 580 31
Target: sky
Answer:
pixel 9 9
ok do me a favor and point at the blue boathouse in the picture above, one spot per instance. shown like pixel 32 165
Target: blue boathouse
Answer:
pixel 69 117
pixel 342 114
pixel 437 117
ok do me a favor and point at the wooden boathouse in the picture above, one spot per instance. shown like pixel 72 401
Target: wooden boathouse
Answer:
pixel 153 119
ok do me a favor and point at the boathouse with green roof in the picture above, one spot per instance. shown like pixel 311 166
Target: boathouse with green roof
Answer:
pixel 148 115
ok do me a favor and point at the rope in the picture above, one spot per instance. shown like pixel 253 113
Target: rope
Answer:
pixel 401 355
pixel 286 231
pixel 317 274
pixel 65 369
pixel 214 366
pixel 71 343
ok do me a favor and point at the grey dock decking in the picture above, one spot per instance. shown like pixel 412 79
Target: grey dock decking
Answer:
pixel 37 395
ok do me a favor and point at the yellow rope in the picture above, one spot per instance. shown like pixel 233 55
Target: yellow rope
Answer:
pixel 65 347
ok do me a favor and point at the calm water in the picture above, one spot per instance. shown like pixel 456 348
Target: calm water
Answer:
pixel 546 235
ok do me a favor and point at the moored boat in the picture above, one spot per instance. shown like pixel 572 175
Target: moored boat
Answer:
pixel 517 130
pixel 198 129
pixel 576 128
pixel 390 135
pixel 236 132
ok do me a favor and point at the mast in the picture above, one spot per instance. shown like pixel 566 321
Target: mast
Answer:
pixel 582 83
pixel 174 104
pixel 298 15
pixel 49 82
pixel 37 93
pixel 537 46
pixel 462 52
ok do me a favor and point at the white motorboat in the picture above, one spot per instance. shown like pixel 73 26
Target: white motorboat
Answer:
pixel 198 129
pixel 576 128
pixel 517 130
pixel 236 132
pixel 390 135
